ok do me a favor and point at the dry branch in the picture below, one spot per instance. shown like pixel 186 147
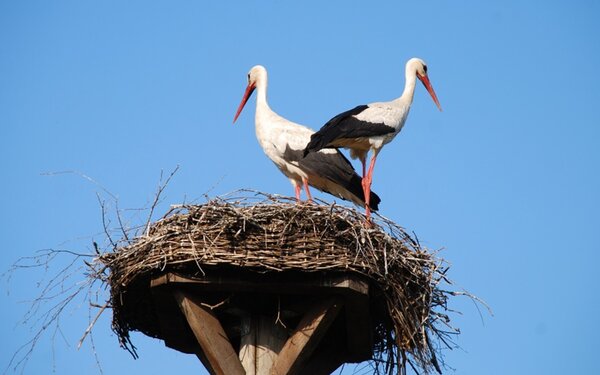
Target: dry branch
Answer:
pixel 61 283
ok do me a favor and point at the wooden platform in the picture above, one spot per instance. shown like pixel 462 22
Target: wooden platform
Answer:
pixel 255 324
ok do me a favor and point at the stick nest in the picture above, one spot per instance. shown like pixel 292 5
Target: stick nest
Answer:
pixel 263 233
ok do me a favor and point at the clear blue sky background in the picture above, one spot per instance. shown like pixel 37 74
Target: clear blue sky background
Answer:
pixel 506 179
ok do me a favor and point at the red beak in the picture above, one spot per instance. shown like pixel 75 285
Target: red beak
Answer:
pixel 429 88
pixel 247 94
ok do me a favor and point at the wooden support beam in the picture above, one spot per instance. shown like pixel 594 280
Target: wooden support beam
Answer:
pixel 261 342
pixel 214 342
pixel 248 345
pixel 299 347
pixel 205 362
pixel 339 284
pixel 329 355
pixel 189 325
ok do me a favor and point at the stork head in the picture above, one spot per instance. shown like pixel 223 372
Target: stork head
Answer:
pixel 257 76
pixel 416 66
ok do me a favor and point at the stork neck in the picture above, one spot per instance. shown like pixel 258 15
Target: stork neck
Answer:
pixel 262 106
pixel 409 88
pixel 261 98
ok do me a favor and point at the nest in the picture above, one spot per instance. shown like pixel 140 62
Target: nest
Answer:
pixel 270 234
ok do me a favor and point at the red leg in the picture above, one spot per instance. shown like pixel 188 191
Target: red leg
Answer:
pixel 297 188
pixel 363 161
pixel 308 196
pixel 367 180
pixel 363 180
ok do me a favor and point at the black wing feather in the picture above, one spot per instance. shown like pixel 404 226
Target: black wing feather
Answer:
pixel 345 125
pixel 334 167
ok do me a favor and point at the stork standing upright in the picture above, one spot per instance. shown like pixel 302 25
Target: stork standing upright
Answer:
pixel 284 141
pixel 369 127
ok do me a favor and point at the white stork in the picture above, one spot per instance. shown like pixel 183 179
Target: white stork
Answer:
pixel 284 141
pixel 369 127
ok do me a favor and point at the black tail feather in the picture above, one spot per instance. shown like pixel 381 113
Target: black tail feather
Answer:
pixel 375 200
pixel 355 188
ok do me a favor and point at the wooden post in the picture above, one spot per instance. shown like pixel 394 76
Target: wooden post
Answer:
pixel 248 345
pixel 261 342
pixel 299 347
pixel 210 335
pixel 265 348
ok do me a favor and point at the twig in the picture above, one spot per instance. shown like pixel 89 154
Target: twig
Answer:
pixel 161 188
pixel 89 328
pixel 121 226
pixel 212 307
pixel 104 223
pixel 83 176
pixel 278 318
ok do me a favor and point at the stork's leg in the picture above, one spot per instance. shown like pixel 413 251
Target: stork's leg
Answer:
pixel 363 161
pixel 297 188
pixel 308 196
pixel 367 180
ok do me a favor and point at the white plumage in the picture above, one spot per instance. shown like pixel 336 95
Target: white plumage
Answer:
pixel 284 141
pixel 369 127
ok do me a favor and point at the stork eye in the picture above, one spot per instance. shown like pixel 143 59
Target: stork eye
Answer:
pixel 425 68
pixel 248 77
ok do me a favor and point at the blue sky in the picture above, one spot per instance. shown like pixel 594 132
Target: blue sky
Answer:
pixel 505 179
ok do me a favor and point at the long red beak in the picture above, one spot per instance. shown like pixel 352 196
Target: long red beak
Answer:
pixel 429 88
pixel 247 94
